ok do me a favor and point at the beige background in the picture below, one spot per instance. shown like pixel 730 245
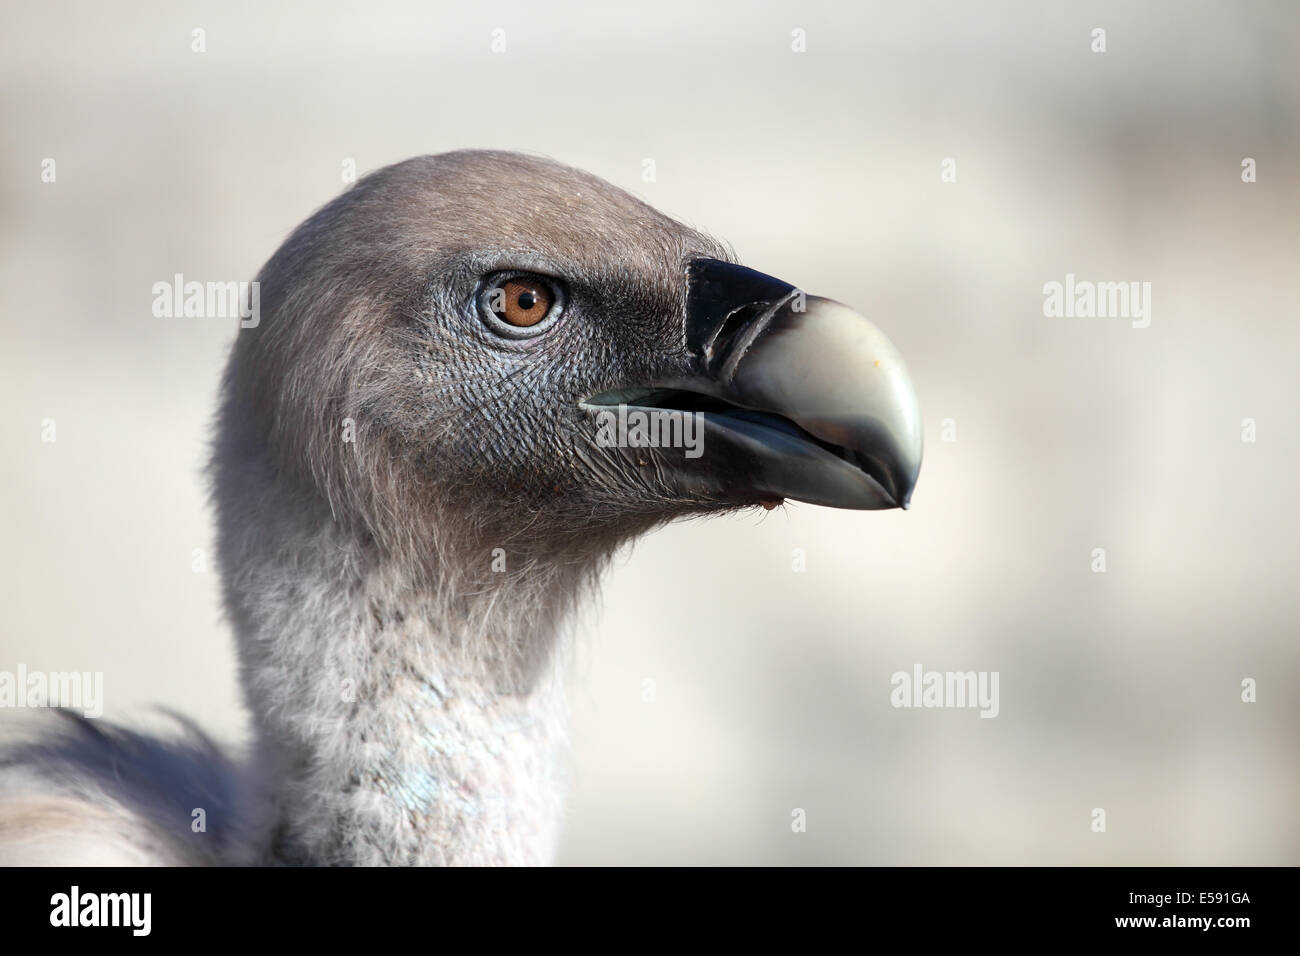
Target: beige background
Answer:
pixel 1118 690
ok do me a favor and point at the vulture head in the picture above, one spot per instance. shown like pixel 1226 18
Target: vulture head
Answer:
pixel 447 349
pixel 473 377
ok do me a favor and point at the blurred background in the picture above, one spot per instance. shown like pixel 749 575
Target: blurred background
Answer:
pixel 769 688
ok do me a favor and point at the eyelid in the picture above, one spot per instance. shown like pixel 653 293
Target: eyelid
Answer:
pixel 496 280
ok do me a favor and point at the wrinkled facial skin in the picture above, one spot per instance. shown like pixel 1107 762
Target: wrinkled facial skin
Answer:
pixel 519 427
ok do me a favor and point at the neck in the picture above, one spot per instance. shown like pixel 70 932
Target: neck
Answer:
pixel 398 721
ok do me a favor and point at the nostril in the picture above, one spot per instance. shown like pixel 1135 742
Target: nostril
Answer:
pixel 735 322
pixel 721 298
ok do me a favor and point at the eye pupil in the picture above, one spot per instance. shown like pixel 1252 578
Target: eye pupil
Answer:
pixel 526 300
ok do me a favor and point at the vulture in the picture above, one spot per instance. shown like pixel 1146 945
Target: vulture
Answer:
pixel 420 469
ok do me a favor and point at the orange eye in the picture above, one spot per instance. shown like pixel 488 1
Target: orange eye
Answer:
pixel 523 302
pixel 519 305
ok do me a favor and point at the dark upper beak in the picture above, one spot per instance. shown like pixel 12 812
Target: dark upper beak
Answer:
pixel 768 347
pixel 801 397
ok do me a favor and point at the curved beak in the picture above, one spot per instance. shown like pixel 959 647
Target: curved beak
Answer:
pixel 800 397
